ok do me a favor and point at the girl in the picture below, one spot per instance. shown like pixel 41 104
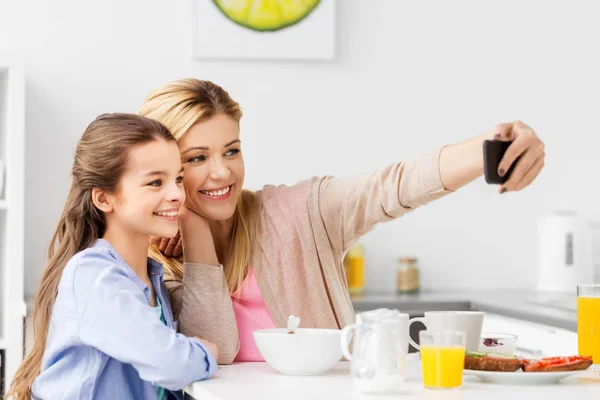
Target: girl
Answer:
pixel 103 322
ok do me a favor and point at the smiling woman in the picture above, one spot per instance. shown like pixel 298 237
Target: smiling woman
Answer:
pixel 252 259
pixel 214 172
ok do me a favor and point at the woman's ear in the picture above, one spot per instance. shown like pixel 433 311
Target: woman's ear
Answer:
pixel 102 200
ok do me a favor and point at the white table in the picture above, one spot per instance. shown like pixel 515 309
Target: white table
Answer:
pixel 258 381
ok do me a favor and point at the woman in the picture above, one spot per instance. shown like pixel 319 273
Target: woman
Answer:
pixel 253 259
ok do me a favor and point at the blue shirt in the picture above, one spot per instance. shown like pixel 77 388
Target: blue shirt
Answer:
pixel 161 392
pixel 104 340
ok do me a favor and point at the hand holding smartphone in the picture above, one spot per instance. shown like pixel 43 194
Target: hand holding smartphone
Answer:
pixel 493 151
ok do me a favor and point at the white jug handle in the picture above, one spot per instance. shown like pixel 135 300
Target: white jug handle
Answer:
pixel 419 319
pixel 345 338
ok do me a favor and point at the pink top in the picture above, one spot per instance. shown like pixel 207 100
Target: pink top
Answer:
pixel 250 314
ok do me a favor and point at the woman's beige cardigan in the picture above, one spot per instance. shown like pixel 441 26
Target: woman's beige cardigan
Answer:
pixel 304 233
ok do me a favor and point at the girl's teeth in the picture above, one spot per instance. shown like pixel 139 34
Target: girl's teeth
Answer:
pixel 167 213
pixel 216 192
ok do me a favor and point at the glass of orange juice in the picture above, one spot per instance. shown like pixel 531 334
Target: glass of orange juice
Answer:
pixel 442 358
pixel 588 321
pixel 354 261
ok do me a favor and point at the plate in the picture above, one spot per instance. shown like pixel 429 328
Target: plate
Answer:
pixel 520 377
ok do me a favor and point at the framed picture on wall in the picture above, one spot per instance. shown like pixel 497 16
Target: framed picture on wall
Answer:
pixel 263 29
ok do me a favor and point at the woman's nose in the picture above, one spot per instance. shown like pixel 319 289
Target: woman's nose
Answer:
pixel 219 171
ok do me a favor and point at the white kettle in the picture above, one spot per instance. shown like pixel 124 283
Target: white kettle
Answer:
pixel 565 252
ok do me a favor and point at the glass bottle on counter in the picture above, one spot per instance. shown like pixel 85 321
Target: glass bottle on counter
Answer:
pixel 407 275
pixel 354 263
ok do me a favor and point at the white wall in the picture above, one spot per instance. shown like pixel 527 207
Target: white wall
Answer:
pixel 408 76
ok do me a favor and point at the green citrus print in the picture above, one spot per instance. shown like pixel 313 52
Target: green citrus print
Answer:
pixel 266 15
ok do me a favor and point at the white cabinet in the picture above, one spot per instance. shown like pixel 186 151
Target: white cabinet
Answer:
pixel 535 340
pixel 12 220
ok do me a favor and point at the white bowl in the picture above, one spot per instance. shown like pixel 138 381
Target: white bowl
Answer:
pixel 306 352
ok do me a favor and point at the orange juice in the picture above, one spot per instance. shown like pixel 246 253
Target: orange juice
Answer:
pixel 355 269
pixel 442 366
pixel 588 327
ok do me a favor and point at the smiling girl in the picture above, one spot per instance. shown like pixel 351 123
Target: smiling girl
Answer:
pixel 103 322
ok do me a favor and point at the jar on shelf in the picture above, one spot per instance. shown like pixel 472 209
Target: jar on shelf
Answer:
pixel 407 275
pixel 354 264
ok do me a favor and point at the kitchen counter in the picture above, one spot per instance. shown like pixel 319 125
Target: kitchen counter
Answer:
pixel 558 310
pixel 258 381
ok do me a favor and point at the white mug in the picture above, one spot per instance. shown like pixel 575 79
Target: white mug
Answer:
pixel 469 322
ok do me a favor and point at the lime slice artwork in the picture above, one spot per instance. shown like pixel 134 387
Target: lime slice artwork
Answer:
pixel 266 15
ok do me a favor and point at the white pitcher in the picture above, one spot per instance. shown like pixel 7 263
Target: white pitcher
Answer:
pixel 380 347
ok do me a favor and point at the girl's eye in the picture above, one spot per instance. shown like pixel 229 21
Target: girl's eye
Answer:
pixel 232 152
pixel 155 183
pixel 179 179
pixel 195 159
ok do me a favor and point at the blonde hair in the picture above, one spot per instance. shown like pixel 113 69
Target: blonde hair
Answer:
pixel 179 105
pixel 100 160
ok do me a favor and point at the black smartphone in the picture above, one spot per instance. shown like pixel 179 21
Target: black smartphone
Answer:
pixel 493 151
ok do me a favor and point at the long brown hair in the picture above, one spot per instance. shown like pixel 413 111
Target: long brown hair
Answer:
pixel 100 160
pixel 179 105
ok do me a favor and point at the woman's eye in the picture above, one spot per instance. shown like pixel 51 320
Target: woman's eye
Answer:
pixel 196 159
pixel 155 183
pixel 179 179
pixel 232 152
